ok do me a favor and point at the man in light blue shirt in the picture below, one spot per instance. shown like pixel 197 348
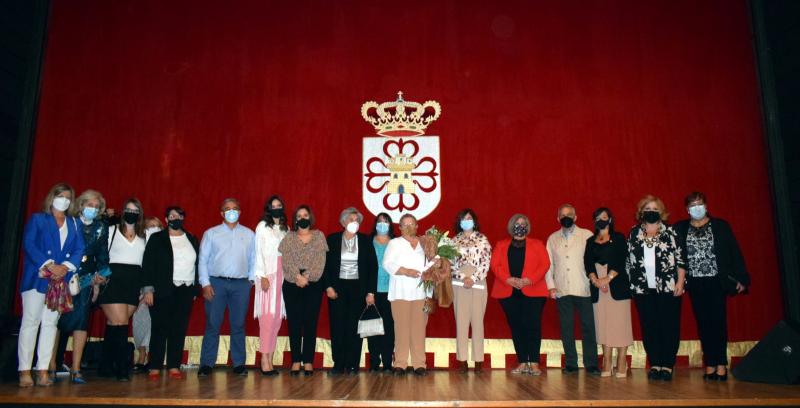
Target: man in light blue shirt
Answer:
pixel 225 277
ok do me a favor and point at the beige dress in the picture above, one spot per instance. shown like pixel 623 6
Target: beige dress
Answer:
pixel 612 318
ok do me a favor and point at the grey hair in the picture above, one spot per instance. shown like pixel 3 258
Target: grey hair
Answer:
pixel 563 206
pixel 404 216
pixel 513 221
pixel 84 198
pixel 348 212
pixel 229 200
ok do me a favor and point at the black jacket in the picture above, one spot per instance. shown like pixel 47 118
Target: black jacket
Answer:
pixel 620 287
pixel 730 262
pixel 367 263
pixel 157 263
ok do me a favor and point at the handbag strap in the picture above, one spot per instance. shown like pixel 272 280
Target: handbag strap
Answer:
pixel 368 306
pixel 113 235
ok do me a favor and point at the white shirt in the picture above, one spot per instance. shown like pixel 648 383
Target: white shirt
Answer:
pixel 348 270
pixel 399 253
pixel 650 266
pixel 123 251
pixel 183 260
pixel 62 233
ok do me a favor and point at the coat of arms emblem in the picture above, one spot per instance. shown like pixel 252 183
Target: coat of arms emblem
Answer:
pixel 401 167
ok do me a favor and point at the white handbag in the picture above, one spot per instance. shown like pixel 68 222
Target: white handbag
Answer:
pixel 74 285
pixel 370 327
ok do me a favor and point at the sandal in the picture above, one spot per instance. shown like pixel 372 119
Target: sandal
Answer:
pixel 76 377
pixel 43 379
pixel 25 379
pixel 534 370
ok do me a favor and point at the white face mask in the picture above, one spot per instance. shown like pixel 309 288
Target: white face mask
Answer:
pixel 352 227
pixel 61 203
pixel 151 231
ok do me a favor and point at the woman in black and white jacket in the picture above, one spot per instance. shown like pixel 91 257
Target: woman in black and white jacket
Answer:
pixel 657 274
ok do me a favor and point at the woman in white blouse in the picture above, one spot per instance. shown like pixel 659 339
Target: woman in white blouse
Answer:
pixel 405 261
pixel 120 296
pixel 268 307
pixel 469 288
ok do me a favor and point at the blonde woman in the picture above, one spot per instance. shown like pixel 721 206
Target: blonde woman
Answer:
pixel 53 247
pixel 656 269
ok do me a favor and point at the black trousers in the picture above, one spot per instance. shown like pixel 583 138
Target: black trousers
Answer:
pixel 381 348
pixel 302 315
pixel 567 305
pixel 708 304
pixel 660 319
pixel 343 313
pixel 524 315
pixel 170 318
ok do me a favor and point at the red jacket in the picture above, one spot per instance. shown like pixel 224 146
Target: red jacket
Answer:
pixel 537 262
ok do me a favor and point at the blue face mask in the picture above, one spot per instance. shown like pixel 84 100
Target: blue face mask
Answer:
pixel 697 212
pixel 467 225
pixel 231 216
pixel 382 228
pixel 90 213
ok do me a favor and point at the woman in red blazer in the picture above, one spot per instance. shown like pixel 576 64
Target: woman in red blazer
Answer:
pixel 519 264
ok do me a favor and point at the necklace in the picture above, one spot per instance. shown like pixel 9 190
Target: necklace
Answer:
pixel 650 241
pixel 350 244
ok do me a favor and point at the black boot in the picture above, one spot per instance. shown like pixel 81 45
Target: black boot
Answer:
pixel 105 368
pixel 122 359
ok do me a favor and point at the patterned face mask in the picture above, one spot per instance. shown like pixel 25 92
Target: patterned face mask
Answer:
pixel 520 230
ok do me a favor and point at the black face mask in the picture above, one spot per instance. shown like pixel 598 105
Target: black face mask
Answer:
pixel 601 224
pixel 651 217
pixel 567 222
pixel 303 223
pixel 276 212
pixel 130 217
pixel 176 224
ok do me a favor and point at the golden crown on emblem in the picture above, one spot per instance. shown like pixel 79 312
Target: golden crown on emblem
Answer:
pixel 401 117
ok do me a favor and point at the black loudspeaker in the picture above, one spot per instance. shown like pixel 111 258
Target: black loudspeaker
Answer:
pixel 775 359
pixel 9 331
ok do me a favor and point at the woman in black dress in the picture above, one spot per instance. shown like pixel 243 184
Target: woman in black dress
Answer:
pixel 121 294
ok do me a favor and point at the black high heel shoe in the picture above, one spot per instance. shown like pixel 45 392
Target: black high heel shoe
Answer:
pixel 712 376
pixel 722 377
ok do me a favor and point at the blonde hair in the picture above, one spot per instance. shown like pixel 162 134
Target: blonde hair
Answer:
pixel 84 198
pixel 155 220
pixel 57 189
pixel 651 199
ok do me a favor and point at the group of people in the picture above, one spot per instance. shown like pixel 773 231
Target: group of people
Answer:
pixel 131 266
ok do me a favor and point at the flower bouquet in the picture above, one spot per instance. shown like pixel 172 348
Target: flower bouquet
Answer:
pixel 442 251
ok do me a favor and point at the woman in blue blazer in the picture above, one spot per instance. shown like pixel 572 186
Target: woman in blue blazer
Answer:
pixel 52 242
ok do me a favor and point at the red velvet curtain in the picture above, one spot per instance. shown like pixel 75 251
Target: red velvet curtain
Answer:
pixel 587 102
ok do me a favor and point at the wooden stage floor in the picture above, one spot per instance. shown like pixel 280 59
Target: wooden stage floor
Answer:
pixel 438 388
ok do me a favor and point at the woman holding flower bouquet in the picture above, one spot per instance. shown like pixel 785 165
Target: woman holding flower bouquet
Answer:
pixel 53 247
pixel 405 261
pixel 519 264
